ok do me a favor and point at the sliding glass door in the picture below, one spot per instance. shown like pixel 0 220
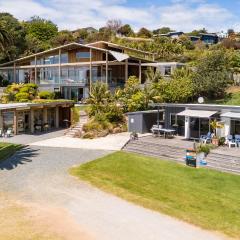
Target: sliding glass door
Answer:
pixel 198 127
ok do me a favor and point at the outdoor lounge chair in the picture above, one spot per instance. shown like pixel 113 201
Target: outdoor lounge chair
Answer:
pixel 206 138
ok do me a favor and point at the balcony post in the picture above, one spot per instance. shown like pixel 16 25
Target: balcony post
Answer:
pixel 126 70
pixel 35 60
pixel 106 67
pixel 90 72
pixel 140 71
pixel 59 66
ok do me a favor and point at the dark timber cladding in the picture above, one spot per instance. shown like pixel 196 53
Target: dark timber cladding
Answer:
pixel 35 117
pixel 188 120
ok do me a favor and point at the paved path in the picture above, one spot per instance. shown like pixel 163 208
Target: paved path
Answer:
pixel 40 175
pixel 110 142
pixel 30 138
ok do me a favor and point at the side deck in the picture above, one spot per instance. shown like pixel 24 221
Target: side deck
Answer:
pixel 222 158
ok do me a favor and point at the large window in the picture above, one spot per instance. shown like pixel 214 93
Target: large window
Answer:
pixel 178 123
pixel 167 70
pixel 64 58
pixel 49 75
pixel 7 75
pixel 235 127
pixel 54 59
pixel 8 120
pixel 82 55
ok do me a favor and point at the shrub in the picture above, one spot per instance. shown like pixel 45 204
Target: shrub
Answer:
pixel 92 125
pixel 222 141
pixel 57 95
pixel 76 115
pixel 22 96
pixel 114 113
pixel 46 95
pixel 89 135
pixel 206 148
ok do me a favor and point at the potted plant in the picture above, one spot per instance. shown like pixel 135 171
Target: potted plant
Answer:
pixel 202 151
pixel 216 125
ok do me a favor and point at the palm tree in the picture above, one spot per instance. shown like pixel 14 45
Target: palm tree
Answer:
pixel 99 97
pixel 5 40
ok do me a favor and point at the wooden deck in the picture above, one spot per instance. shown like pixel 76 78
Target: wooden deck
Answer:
pixel 180 142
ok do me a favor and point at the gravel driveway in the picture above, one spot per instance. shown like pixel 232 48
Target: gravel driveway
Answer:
pixel 40 175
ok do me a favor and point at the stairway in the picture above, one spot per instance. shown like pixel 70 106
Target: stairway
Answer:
pixel 76 131
pixel 155 150
pixel 223 162
pixel 220 162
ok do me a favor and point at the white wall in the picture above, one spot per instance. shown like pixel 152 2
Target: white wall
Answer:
pixel 187 127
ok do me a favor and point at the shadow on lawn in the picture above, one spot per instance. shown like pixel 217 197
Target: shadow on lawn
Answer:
pixel 21 157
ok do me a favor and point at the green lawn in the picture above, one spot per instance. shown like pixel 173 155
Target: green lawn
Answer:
pixel 203 197
pixel 8 149
pixel 230 99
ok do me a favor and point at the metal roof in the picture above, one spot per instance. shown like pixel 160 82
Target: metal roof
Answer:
pixel 231 115
pixel 197 113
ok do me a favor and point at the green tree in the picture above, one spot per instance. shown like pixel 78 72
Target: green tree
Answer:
pixel 126 30
pixel 99 97
pixel 132 97
pixel 180 88
pixel 16 43
pixel 41 31
pixel 5 39
pixel 163 30
pixel 62 38
pixel 185 41
pixel 212 75
pixel 197 32
pixel 145 33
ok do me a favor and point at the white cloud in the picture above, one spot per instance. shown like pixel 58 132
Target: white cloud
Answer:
pixel 179 14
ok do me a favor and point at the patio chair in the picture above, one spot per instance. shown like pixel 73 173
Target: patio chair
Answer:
pixel 231 142
pixel 206 138
pixel 237 140
pixel 9 133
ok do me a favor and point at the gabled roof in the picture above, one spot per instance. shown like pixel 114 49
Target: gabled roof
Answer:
pixel 119 46
pixel 75 45
pixel 66 46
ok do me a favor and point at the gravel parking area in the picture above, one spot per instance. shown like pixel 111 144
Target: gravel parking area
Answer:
pixel 39 175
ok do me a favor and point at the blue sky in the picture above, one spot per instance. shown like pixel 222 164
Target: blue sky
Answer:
pixel 185 15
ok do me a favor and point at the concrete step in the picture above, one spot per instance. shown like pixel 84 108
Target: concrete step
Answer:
pixel 215 161
pixel 163 157
pixel 176 152
pixel 156 153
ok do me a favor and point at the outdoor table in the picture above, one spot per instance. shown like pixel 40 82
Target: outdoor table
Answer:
pixel 164 131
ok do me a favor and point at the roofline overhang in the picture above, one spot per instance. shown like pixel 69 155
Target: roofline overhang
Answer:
pixel 54 49
pixel 78 45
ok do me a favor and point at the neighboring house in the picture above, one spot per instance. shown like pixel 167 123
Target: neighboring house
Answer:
pixel 189 120
pixel 33 117
pixel 165 68
pixel 173 35
pixel 73 68
pixel 194 39
pixel 209 38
